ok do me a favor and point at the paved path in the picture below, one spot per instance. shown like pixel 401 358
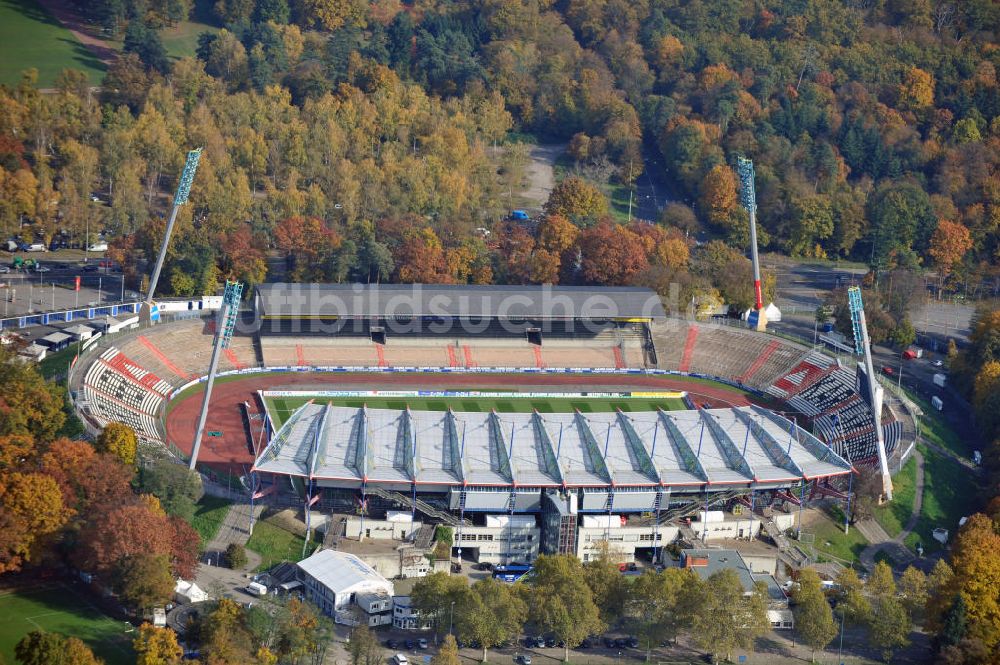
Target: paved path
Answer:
pixel 234 528
pixel 880 540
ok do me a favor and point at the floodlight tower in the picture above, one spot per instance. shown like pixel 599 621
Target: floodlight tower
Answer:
pixel 228 314
pixel 180 198
pixel 863 347
pixel 748 197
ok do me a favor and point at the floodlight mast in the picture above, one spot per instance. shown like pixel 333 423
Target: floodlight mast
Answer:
pixel 863 347
pixel 226 323
pixel 180 198
pixel 748 197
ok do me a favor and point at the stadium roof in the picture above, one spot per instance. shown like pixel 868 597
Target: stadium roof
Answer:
pixel 677 448
pixel 404 301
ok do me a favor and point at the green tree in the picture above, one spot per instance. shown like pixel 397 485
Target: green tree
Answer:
pixel 889 626
pixel 913 591
pixel 434 594
pixel 145 42
pixel 560 601
pixel 236 556
pixel 119 440
pixel 662 605
pixel 577 200
pixel 491 614
pixel 727 617
pixel 177 487
pixel 607 584
pixel 813 617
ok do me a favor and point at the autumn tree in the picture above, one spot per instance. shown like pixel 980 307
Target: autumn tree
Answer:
pixel 561 603
pixel 41 648
pixel 889 623
pixel 913 591
pixel 718 199
pixel 608 586
pixel 144 580
pixel 949 243
pixel 851 600
pixel 448 653
pixel 28 403
pixel 577 200
pixel 31 509
pixel 612 255
pixel 491 614
pixel 813 617
pixel 975 558
pixel 119 440
pixel 156 646
pixel 364 647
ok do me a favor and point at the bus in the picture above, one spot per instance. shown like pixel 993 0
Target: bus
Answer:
pixel 511 573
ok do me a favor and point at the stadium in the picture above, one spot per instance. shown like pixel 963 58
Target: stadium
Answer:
pixel 540 405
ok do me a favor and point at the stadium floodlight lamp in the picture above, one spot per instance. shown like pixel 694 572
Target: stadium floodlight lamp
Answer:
pixel 187 176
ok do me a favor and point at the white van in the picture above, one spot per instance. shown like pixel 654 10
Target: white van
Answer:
pixel 256 589
pixel 37 247
pixel 98 247
pixel 400 659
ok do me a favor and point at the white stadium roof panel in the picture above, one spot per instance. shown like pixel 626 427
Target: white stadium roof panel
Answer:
pixel 677 448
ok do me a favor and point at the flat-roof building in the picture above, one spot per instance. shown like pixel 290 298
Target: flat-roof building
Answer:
pixel 335 580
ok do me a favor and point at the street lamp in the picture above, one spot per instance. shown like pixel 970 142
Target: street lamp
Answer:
pixel 451 619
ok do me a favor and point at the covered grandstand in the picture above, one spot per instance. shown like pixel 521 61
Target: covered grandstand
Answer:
pixel 618 460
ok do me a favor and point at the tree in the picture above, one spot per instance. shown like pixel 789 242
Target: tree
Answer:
pixel 917 89
pixel 561 603
pixel 491 614
pixel 577 200
pixel 888 626
pixel 31 405
pixel 156 646
pixel 113 536
pixel 949 243
pixel 364 647
pixel 40 648
pixel 975 558
pixel 851 599
pixel 433 595
pixel 913 590
pixel 31 508
pixel 955 624
pixel 718 194
pixel 144 580
pixel 612 254
pixel 177 487
pixel 448 653
pixel 607 585
pixel 726 617
pixel 236 556
pixel 662 605
pixel 813 617
pixel 119 440
pixel 145 42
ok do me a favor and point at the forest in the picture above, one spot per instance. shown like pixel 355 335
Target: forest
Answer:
pixel 379 140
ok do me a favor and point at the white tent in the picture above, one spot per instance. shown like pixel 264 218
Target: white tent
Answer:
pixel 772 312
pixel 188 592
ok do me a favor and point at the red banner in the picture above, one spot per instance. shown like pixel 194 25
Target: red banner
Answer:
pixel 77 283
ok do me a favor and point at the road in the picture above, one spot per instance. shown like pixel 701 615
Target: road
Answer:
pixel 27 291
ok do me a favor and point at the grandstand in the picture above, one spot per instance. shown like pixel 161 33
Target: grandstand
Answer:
pixel 683 451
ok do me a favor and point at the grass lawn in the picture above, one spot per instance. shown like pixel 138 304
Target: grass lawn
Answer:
pixel 55 365
pixel 950 493
pixel 280 408
pixel 893 515
pixel 208 516
pixel 275 544
pixel 937 431
pixel 831 541
pixel 31 37
pixel 63 610
pixel 181 40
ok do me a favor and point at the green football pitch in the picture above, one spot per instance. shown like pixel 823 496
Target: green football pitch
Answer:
pixel 60 609
pixel 280 408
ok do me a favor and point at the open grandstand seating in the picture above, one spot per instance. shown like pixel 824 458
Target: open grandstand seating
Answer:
pixel 804 374
pixel 116 389
pixel 182 350
pixel 723 353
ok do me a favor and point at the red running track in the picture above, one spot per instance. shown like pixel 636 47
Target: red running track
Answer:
pixel 233 448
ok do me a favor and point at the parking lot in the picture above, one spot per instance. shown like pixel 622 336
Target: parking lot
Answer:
pixel 53 287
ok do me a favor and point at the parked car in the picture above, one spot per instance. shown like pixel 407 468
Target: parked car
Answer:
pixel 391 644
pixel 585 644
pixel 540 642
pixel 98 247
pixel 524 659
pixel 888 371
pixel 621 643
pixel 609 643
pixel 421 643
pixel 37 247
pixel 409 644
pixel 632 643
pixel 550 642
pixel 400 659
pixel 40 268
pixel 938 363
